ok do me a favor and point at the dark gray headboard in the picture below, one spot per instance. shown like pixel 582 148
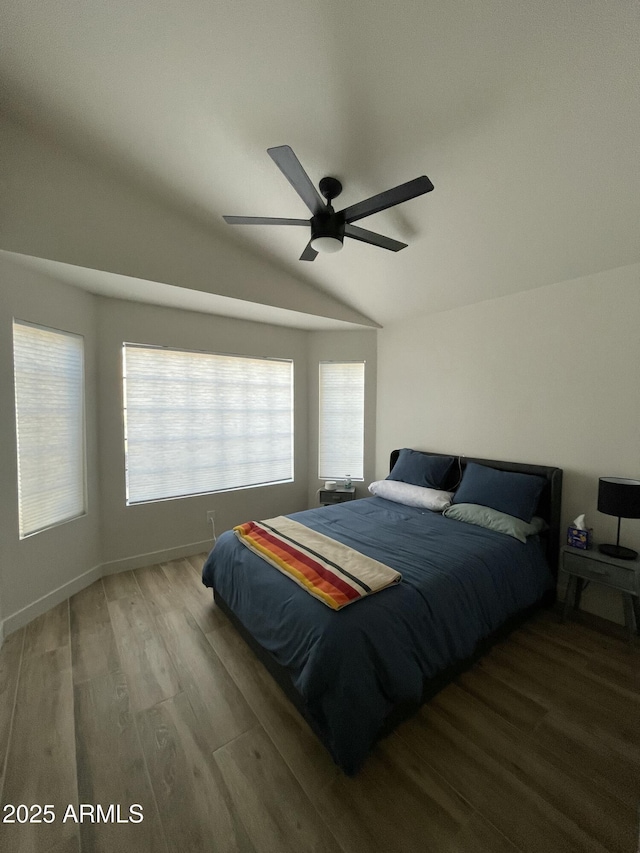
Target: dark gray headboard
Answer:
pixel 549 503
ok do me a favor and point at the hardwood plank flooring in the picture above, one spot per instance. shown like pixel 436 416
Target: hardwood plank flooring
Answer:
pixel 111 767
pixel 486 782
pixel 10 659
pixel 221 709
pixel 571 792
pixel 479 836
pixel 277 814
pixel 121 585
pixel 138 691
pixel 41 761
pixel 187 585
pixel 93 643
pixel 395 803
pixel 151 675
pixel 196 809
pixel 48 632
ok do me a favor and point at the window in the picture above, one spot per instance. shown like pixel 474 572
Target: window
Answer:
pixel 198 422
pixel 341 437
pixel 49 388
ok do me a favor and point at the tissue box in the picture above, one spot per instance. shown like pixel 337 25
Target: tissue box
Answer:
pixel 578 538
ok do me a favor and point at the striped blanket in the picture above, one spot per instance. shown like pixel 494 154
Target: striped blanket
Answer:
pixel 332 572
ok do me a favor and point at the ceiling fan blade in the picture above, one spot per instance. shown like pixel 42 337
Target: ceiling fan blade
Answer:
pixel 309 254
pixel 389 198
pixel 291 168
pixel 263 220
pixel 371 237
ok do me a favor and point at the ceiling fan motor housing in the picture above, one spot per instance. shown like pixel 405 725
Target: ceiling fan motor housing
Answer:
pixel 328 224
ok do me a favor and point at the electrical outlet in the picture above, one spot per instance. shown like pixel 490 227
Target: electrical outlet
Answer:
pixel 211 515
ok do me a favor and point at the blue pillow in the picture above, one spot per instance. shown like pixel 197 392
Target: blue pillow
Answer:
pixel 505 491
pixel 420 470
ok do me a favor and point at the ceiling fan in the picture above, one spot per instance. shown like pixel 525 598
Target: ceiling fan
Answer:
pixel 330 227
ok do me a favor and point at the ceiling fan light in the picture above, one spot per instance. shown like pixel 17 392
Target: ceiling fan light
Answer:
pixel 326 245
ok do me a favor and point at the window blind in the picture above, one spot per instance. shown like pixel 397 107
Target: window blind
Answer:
pixel 198 422
pixel 49 398
pixel 341 429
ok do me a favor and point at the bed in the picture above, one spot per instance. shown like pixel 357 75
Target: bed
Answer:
pixel 355 673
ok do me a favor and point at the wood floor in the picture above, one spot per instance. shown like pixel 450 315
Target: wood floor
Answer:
pixel 138 691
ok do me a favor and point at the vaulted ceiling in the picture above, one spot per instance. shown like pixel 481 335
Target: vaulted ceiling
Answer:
pixel 526 117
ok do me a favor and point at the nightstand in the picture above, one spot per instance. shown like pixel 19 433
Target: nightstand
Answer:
pixel 591 565
pixel 327 497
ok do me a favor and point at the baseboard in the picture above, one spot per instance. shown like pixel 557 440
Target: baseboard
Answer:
pixel 46 602
pixel 139 560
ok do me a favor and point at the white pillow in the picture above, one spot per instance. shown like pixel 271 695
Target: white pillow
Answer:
pixel 410 495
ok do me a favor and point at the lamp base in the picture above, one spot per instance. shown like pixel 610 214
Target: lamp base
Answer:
pixel 618 551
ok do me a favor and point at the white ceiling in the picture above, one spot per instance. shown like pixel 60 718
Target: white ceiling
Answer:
pixel 526 117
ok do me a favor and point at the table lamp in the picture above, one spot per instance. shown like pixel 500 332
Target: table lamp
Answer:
pixel 620 497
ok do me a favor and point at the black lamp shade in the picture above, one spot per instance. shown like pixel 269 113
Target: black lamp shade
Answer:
pixel 620 497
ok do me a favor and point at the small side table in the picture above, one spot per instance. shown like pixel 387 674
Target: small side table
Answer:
pixel 592 565
pixel 328 497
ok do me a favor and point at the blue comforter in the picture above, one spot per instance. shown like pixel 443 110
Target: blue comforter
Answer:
pixel 459 583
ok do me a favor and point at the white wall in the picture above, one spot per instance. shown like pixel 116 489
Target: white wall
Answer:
pixel 548 376
pixel 65 558
pixel 132 535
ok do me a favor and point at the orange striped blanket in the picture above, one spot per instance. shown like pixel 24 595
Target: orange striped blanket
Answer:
pixel 332 572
